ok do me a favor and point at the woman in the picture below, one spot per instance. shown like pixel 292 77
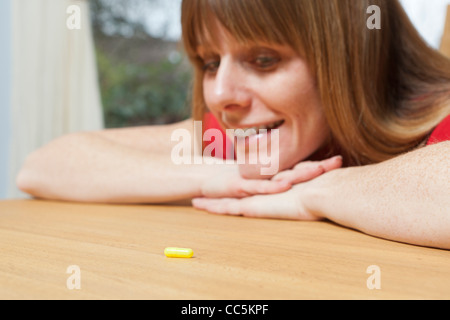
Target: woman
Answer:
pixel 362 115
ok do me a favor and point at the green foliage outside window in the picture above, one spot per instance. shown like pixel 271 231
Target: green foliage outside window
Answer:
pixel 133 94
pixel 143 80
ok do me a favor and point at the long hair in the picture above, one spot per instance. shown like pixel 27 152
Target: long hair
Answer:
pixel 382 90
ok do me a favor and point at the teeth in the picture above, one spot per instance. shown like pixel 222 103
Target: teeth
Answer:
pixel 242 133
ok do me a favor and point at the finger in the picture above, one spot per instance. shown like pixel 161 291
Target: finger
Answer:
pixel 302 172
pixel 332 163
pixel 327 164
pixel 229 206
pixel 218 206
pixel 254 187
pixel 298 175
pixel 263 206
pixel 309 170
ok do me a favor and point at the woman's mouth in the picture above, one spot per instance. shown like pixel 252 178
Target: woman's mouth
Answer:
pixel 257 130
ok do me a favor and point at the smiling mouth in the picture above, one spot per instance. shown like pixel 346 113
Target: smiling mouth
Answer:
pixel 263 129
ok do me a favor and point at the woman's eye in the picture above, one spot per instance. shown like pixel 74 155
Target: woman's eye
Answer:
pixel 211 66
pixel 265 62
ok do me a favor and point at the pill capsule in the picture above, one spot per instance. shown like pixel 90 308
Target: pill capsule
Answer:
pixel 172 252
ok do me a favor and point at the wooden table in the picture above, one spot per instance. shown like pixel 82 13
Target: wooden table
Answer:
pixel 119 252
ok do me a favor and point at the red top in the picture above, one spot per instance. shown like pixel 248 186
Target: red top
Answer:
pixel 210 122
pixel 439 134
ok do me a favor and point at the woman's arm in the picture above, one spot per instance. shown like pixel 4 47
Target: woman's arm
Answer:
pixel 87 167
pixel 155 139
pixel 405 199
pixel 131 165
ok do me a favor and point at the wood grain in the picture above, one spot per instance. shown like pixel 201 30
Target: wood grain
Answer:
pixel 120 252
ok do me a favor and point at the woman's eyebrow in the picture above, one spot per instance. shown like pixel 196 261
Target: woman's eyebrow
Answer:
pixel 245 49
pixel 259 48
pixel 203 50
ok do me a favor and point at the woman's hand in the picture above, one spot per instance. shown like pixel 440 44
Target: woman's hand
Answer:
pixel 308 170
pixel 225 181
pixel 229 193
pixel 287 205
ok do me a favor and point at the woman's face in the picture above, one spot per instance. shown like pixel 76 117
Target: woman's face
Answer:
pixel 264 86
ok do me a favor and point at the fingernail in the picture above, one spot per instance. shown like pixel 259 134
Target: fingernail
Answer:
pixel 285 184
pixel 333 159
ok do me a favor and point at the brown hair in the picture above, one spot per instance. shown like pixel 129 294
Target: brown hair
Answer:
pixel 382 90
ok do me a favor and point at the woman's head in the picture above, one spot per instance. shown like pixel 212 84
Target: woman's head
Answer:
pixel 253 76
pixel 371 94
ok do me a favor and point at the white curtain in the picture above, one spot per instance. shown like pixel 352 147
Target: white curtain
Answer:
pixel 429 18
pixel 54 86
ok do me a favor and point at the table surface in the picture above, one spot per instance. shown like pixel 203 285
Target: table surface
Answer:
pixel 119 250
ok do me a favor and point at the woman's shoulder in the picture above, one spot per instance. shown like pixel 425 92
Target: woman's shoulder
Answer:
pixel 441 132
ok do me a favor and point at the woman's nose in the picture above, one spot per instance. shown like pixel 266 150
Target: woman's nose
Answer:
pixel 230 88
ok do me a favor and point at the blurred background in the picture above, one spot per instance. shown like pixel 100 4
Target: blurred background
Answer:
pixel 144 77
pixel 82 65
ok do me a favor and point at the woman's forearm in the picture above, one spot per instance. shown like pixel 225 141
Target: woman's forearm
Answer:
pixel 405 199
pixel 88 168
